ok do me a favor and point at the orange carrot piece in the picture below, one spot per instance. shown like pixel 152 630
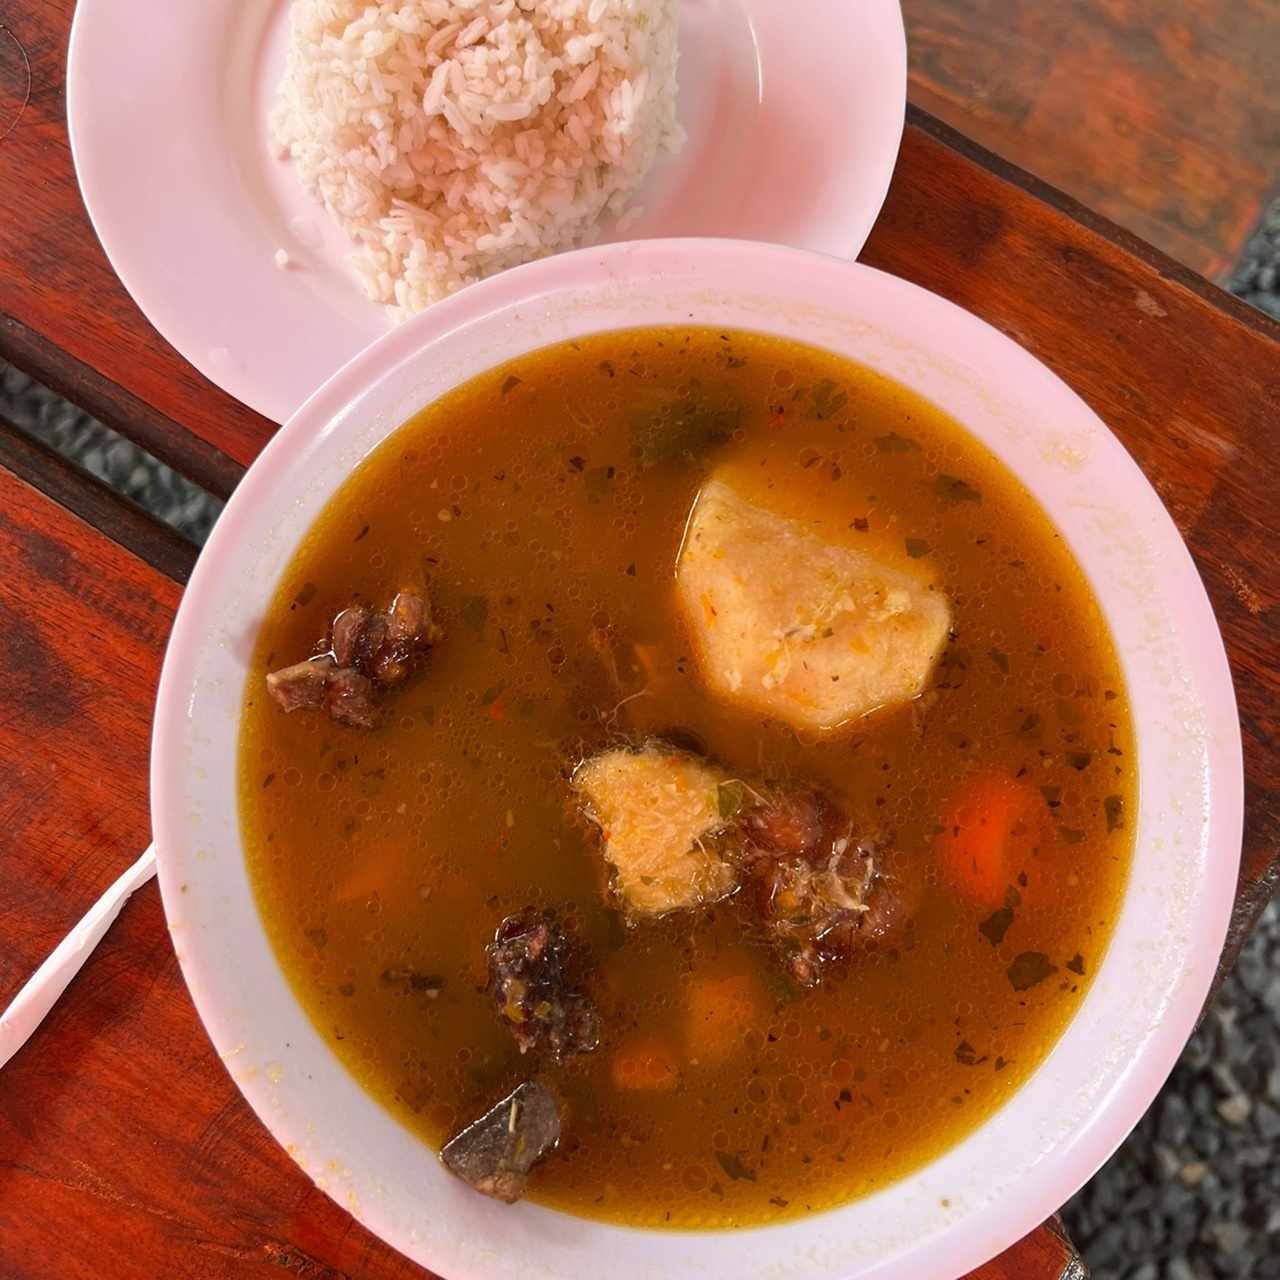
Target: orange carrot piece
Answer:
pixel 718 1010
pixel 644 1062
pixel 975 844
pixel 375 874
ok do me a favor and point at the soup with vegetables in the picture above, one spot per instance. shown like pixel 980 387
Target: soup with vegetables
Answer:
pixel 686 779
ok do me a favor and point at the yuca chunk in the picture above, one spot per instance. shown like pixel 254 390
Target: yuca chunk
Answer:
pixel 786 623
pixel 657 809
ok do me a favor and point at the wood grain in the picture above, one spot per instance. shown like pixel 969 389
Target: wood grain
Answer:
pixel 57 287
pixel 1158 113
pixel 95 503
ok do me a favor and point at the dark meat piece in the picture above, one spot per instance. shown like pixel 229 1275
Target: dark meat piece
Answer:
pixel 368 651
pixel 495 1153
pixel 348 697
pixel 794 825
pixel 301 685
pixel 350 633
pixel 527 960
pixel 811 882
pixel 384 647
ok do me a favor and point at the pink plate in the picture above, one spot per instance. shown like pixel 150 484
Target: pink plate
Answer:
pixel 1017 1168
pixel 793 128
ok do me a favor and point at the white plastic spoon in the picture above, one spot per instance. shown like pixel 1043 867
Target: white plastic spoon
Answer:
pixel 50 980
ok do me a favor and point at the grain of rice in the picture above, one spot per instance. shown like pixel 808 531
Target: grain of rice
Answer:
pixel 454 138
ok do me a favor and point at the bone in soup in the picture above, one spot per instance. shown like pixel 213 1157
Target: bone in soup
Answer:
pixel 686 779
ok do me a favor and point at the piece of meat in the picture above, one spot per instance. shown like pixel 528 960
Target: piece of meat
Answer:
pixel 810 881
pixel 350 631
pixel 793 825
pixel 384 647
pixel 368 652
pixel 790 624
pixel 527 961
pixel 348 697
pixel 301 685
pixel 661 815
pixel 495 1153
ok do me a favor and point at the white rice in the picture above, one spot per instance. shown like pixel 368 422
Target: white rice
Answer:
pixel 454 138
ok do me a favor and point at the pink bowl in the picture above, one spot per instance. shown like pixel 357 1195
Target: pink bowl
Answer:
pixel 1015 1170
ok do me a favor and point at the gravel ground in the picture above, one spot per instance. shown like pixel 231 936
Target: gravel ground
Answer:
pixel 1194 1192
pixel 106 455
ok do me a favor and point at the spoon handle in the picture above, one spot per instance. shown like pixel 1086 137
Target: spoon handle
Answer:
pixel 50 980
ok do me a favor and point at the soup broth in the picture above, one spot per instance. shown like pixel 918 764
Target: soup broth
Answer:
pixel 542 506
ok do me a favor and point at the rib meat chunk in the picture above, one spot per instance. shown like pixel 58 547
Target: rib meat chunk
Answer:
pixel 813 885
pixel 368 652
pixel 301 685
pixel 495 1153
pixel 527 961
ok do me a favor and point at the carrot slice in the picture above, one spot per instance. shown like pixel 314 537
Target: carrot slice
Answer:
pixel 975 846
pixel 644 1062
pixel 718 1009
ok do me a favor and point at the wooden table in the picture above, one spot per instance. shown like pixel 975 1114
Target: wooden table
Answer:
pixel 125 1150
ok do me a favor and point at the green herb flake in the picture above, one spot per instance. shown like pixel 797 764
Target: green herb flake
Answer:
pixel 491 694
pixel 729 798
pixel 475 612
pixel 953 491
pixel 510 384
pixel 734 1167
pixel 1052 796
pixel 828 399
pixel 1076 964
pixel 1113 807
pixel 682 431
pixel 1071 835
pixel 967 1055
pixel 996 925
pixel 595 483
pixel 917 547
pixel 894 443
pixel 1079 760
pixel 1030 968
pixel 1001 660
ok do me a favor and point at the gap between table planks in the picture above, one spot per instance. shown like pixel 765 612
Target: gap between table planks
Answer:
pixel 125 1149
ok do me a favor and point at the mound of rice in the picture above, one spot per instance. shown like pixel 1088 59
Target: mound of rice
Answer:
pixel 454 138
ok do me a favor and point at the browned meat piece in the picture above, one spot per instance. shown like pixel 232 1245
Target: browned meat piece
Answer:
pixel 813 885
pixel 527 961
pixel 349 698
pixel 301 685
pixel 495 1153
pixel 367 651
pixel 350 635
pixel 384 647
pixel 793 825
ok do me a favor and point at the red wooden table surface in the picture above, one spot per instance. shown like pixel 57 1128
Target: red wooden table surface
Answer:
pixel 125 1150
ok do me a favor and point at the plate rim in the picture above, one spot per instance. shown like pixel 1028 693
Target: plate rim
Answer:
pixel 271 398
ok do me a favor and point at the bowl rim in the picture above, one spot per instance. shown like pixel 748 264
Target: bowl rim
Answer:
pixel 976 1232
